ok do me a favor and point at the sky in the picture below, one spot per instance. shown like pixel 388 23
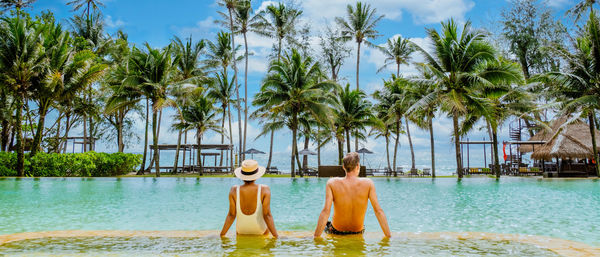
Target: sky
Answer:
pixel 157 22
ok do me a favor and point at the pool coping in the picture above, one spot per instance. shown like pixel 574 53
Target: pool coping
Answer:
pixel 560 246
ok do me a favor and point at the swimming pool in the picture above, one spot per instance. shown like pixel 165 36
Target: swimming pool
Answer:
pixel 564 209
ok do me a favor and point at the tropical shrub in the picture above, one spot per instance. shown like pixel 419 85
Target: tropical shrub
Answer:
pixel 89 164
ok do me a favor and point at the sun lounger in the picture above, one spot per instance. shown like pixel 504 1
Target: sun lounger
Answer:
pixel 414 172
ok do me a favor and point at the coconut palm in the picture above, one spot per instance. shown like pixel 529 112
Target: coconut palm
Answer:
pixel 353 111
pixel 18 5
pixel 381 128
pixel 278 22
pixel 154 69
pixel 221 91
pixel 454 62
pixel 86 5
pixel 66 73
pixel 269 122
pixel 581 7
pixel 21 60
pixel 393 107
pixel 188 73
pixel 423 115
pixel 359 26
pixel 198 114
pixel 294 86
pixel 577 88
pixel 219 56
pixel 397 52
pixel 503 100
pixel 231 6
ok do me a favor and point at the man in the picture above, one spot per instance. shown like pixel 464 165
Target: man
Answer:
pixel 350 196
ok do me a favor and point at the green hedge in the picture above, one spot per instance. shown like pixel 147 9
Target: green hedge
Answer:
pixel 89 164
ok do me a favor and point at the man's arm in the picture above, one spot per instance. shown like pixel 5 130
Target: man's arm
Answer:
pixel 326 210
pixel 231 215
pixel 378 210
pixel 266 206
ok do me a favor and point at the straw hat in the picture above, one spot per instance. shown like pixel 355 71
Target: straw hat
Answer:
pixel 249 171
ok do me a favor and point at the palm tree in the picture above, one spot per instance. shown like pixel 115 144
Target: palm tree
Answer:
pixel 219 55
pixel 231 6
pixel 294 86
pixel 18 5
pixel 67 72
pixel 188 72
pixel 277 21
pixel 397 51
pixel 577 88
pixel 21 60
pixel 353 111
pixel 359 26
pixel 270 123
pixel 394 107
pixel 423 115
pixel 87 5
pixel 198 114
pixel 381 128
pixel 454 63
pixel 503 100
pixel 154 69
pixel 581 7
pixel 221 91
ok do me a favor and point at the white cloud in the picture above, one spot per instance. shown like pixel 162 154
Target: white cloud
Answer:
pixel 422 11
pixel 113 23
pixel 203 29
pixel 557 3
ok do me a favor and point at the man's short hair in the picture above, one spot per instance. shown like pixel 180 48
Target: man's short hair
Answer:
pixel 350 161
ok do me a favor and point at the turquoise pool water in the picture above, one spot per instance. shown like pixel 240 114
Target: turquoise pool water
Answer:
pixel 567 209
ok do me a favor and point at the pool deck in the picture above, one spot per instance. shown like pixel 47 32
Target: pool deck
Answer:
pixel 559 246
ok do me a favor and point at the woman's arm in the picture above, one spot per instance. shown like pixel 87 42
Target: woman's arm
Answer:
pixel 266 202
pixel 231 215
pixel 324 216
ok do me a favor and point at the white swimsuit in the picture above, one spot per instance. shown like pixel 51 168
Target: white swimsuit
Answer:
pixel 253 224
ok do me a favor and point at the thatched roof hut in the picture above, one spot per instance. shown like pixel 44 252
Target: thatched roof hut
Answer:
pixel 570 141
pixel 544 135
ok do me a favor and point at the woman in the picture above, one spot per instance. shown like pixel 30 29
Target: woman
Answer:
pixel 250 203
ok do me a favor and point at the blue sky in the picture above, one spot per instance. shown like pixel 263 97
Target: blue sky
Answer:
pixel 158 21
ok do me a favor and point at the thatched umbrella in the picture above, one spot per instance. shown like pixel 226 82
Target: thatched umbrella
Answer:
pixel 570 141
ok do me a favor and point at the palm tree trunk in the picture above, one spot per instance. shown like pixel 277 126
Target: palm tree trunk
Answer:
pixel 357 65
pixel 270 150
pixel 412 151
pixel 37 139
pixel 592 118
pixel 348 140
pixel 200 164
pixel 144 156
pixel 237 87
pixel 245 91
pixel 459 170
pixel 432 142
pixel 230 136
pixel 294 131
pixel 85 141
pixel 396 147
pixel 387 151
pixel 18 124
pixel 340 151
pixel 356 140
pixel 174 171
pixel 184 150
pixel 155 140
pixel 67 128
pixel 223 132
pixel 495 148
pixel 121 144
pixel 4 134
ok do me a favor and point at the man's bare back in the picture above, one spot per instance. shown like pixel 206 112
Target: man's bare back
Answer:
pixel 350 200
pixel 350 196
